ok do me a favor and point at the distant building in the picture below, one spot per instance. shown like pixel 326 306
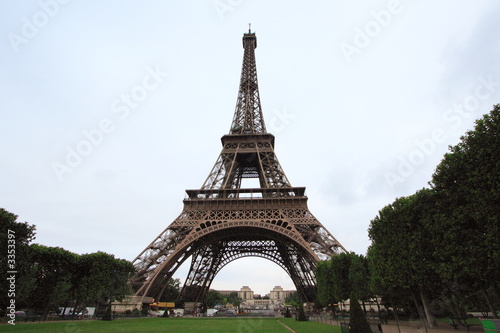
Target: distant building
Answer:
pixel 245 293
pixel 277 297
pixel 131 303
pixel 278 294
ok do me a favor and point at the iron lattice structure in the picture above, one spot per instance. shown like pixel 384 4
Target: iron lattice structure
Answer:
pixel 222 222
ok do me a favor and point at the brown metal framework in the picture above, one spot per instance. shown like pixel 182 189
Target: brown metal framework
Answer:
pixel 222 222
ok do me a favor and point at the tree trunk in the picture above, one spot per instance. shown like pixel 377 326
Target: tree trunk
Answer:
pixel 490 307
pixel 76 306
pixel 495 288
pixel 108 316
pixel 455 307
pixel 420 311
pixel 65 307
pixel 431 321
pixel 45 314
pixel 96 311
pixel 396 317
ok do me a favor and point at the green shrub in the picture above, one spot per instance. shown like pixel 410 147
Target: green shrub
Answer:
pixel 107 316
pixel 302 314
pixel 358 322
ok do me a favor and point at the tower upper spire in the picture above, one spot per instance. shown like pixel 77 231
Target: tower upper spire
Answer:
pixel 248 118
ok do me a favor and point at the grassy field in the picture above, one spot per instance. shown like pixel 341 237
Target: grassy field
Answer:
pixel 184 325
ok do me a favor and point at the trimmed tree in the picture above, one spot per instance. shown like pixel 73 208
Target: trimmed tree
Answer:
pixel 467 183
pixel 403 254
pixel 52 269
pixel 357 321
pixel 359 277
pixel 302 313
pixel 15 236
pixel 341 266
pixel 324 283
pixel 101 278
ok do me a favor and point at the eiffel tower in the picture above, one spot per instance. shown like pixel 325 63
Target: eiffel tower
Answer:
pixel 222 222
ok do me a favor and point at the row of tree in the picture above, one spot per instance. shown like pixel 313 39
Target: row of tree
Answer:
pixel 345 277
pixel 216 298
pixel 49 277
pixel 436 252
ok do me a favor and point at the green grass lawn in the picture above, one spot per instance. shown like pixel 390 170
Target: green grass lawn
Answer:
pixel 184 325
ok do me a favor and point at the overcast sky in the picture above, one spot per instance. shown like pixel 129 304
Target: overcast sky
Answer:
pixel 111 109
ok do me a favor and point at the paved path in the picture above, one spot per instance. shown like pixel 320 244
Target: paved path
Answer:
pixel 288 328
pixel 443 328
pixel 413 327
